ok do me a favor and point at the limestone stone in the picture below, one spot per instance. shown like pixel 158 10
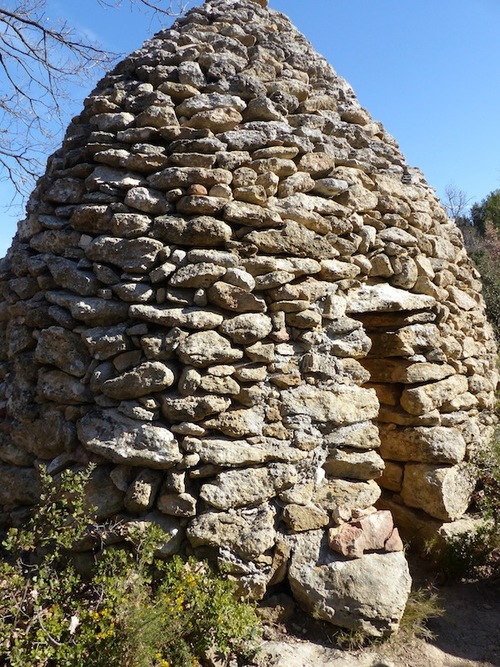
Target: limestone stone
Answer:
pixel 203 231
pixel 247 328
pixel 217 120
pixel 219 385
pixel 47 436
pixel 151 376
pixel 384 298
pixel 406 372
pixel 292 239
pixel 248 532
pixel 425 444
pixel 192 408
pixel 106 342
pixel 351 464
pixel 141 493
pixel 392 477
pixel 147 200
pixel 66 274
pixel 346 493
pixel 235 298
pixel 62 388
pixel 62 348
pixel 202 274
pixel 422 399
pixel 191 318
pixel 133 255
pixel 19 485
pixel 339 406
pixel 299 518
pixel 367 594
pixel 180 505
pixel 444 492
pixel 238 453
pixel 183 177
pixel 123 440
pixel 237 488
pixel 206 348
pixel 407 341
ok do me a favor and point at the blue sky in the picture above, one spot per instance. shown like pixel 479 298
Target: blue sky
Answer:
pixel 428 69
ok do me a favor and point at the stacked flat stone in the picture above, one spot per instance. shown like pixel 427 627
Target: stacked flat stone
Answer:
pixel 233 295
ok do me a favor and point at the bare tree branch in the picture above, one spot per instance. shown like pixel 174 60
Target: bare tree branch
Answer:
pixel 456 202
pixel 40 60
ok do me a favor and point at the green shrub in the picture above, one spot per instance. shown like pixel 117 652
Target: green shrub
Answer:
pixel 475 551
pixel 134 610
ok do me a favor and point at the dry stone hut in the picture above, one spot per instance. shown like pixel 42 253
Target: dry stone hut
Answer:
pixel 234 296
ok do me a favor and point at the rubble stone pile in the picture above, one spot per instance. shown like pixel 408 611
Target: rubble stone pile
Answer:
pixel 233 295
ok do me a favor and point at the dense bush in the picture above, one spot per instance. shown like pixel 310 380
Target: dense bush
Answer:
pixel 133 609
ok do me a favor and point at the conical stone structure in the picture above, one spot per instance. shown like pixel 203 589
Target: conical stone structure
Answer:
pixel 233 295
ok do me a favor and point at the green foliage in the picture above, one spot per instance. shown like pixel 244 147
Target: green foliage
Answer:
pixel 133 611
pixel 486 211
pixel 477 550
pixel 484 250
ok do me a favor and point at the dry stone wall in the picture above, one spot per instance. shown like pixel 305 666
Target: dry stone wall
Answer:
pixel 233 295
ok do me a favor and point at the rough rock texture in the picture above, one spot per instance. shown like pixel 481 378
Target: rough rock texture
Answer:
pixel 233 295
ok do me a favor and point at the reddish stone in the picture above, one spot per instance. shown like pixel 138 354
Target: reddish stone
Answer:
pixel 394 543
pixel 347 540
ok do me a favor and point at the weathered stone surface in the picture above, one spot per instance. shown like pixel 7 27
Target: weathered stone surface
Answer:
pixel 339 406
pixel 62 348
pixel 367 594
pixel 18 486
pixel 237 488
pixel 251 215
pixel 444 492
pixel 202 231
pixel 202 274
pixel 247 328
pixel 406 372
pixel 248 532
pixel 299 518
pixel 351 464
pixel 238 453
pixel 183 177
pixel 206 348
pixel 123 440
pixel 384 298
pixel 67 275
pixel 345 493
pixel 92 311
pixel 177 504
pixel 141 493
pixel 106 342
pixel 235 298
pixel 424 444
pixel 423 399
pixel 62 388
pixel 46 436
pixel 292 239
pixel 192 408
pixel 191 318
pixel 146 378
pixel 134 255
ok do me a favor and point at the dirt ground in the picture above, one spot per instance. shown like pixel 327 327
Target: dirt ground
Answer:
pixel 467 634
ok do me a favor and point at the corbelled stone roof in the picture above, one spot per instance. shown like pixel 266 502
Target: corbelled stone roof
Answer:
pixel 233 294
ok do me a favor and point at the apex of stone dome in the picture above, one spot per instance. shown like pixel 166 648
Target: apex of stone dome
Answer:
pixel 262 3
